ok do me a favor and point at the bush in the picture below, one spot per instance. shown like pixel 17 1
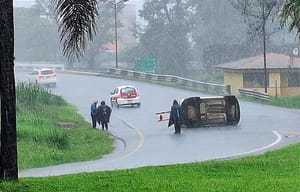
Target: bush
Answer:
pixel 30 94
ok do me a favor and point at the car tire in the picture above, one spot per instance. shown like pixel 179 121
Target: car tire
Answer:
pixel 138 104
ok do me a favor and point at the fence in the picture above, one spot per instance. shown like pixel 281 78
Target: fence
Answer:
pixel 179 81
pixel 254 93
pixel 33 66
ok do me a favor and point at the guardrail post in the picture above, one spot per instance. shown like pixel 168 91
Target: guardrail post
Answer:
pixel 228 89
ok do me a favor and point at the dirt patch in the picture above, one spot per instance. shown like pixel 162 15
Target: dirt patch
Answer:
pixel 66 124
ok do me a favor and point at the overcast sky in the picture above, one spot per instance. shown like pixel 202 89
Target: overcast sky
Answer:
pixel 29 3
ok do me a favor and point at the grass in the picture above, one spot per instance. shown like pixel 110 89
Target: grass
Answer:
pixel 50 131
pixel 287 102
pixel 274 171
pixel 271 172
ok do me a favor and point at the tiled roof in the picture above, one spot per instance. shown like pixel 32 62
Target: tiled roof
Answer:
pixel 273 61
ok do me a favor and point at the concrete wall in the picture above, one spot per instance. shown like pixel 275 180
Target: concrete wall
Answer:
pixel 234 79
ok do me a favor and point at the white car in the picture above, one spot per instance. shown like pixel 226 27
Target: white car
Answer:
pixel 125 96
pixel 43 76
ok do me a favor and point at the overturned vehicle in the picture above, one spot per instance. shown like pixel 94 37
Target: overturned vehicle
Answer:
pixel 210 111
pixel 207 111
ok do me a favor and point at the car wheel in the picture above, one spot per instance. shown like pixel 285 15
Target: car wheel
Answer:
pixel 138 104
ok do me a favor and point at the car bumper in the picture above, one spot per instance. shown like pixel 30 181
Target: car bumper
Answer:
pixel 131 101
pixel 47 81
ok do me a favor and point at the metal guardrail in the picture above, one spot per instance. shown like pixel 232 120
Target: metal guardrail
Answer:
pixel 208 87
pixel 254 93
pixel 56 67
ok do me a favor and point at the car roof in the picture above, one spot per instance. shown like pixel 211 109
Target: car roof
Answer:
pixel 125 86
pixel 42 69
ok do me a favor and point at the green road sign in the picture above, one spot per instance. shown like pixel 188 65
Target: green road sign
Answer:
pixel 146 64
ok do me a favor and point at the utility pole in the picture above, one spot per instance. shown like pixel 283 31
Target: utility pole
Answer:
pixel 116 34
pixel 264 47
pixel 116 3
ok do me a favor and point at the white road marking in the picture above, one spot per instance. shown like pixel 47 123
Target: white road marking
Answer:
pixel 256 150
pixel 141 139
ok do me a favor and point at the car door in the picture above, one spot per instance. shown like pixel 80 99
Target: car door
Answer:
pixel 114 95
pixel 33 76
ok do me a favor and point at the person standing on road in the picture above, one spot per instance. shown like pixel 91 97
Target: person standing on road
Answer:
pixel 94 113
pixel 103 115
pixel 176 116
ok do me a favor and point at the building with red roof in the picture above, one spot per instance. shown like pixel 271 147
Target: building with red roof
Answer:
pixel 283 74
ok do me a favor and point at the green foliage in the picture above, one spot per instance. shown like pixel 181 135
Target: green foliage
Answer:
pixel 290 102
pixel 50 131
pixel 273 171
pixel 93 57
pixel 83 15
pixel 290 15
pixel 39 129
pixel 166 35
pixel 30 93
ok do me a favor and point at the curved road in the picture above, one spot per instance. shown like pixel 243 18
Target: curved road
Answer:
pixel 142 141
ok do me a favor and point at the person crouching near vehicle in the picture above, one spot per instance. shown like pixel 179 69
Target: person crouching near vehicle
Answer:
pixel 94 113
pixel 103 115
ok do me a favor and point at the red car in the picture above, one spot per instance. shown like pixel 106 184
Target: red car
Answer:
pixel 125 96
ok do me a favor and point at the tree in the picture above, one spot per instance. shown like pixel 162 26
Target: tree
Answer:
pixel 290 14
pixel 8 151
pixel 218 29
pixel 166 34
pixel 105 27
pixel 257 13
pixel 77 26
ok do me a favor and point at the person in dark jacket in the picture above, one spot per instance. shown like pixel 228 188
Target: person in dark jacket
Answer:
pixel 103 115
pixel 94 113
pixel 176 116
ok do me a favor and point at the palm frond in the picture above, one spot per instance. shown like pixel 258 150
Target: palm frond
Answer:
pixel 77 25
pixel 290 13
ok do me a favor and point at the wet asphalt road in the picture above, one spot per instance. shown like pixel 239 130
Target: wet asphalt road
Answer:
pixel 143 141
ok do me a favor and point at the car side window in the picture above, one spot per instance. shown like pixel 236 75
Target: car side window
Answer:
pixel 116 91
pixel 34 73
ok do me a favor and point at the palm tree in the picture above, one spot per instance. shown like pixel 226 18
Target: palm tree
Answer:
pixel 8 151
pixel 76 21
pixel 290 13
pixel 77 25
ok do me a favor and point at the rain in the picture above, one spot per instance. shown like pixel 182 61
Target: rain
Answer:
pixel 232 65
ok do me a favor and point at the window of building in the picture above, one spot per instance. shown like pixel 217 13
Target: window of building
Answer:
pixel 255 80
pixel 294 79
